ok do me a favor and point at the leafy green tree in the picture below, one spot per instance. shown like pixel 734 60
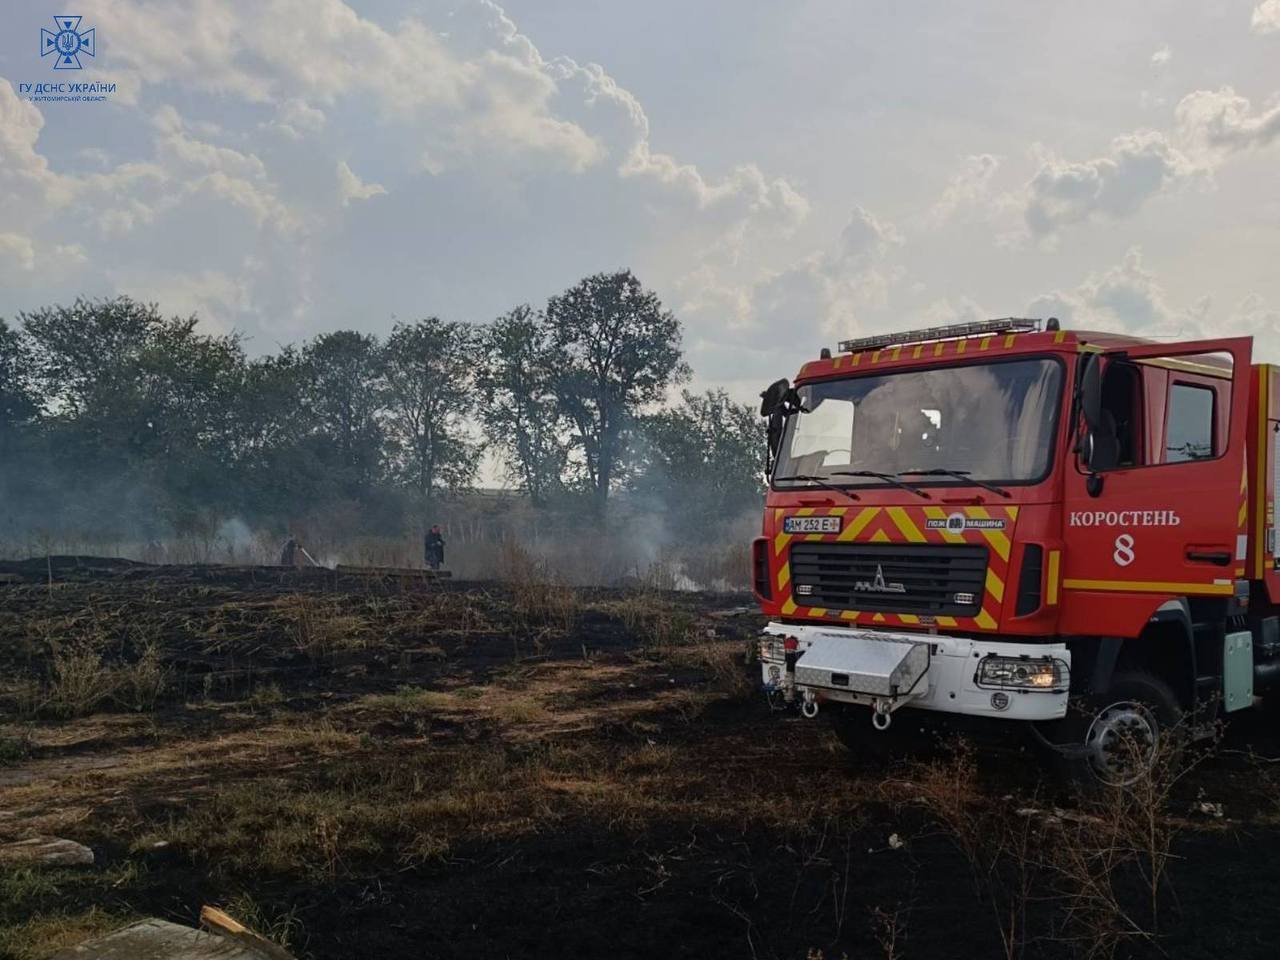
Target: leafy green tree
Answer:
pixel 519 410
pixel 267 442
pixel 138 403
pixel 18 403
pixel 429 368
pixel 343 392
pixel 614 350
pixel 701 461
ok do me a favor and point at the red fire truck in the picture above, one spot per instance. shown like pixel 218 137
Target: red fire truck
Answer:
pixel 1068 531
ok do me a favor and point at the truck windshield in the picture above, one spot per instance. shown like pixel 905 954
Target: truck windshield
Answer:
pixel 994 421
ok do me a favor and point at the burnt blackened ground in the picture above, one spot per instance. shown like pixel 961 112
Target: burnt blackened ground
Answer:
pixel 407 768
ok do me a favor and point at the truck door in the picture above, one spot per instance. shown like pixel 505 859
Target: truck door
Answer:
pixel 1153 503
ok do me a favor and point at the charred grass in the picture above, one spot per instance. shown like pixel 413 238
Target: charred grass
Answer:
pixel 404 769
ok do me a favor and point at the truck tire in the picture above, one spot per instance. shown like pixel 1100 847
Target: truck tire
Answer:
pixel 1127 730
pixel 852 726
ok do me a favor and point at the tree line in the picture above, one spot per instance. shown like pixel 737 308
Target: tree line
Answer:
pixel 115 417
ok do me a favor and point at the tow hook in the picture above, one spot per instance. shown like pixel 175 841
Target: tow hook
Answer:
pixel 881 714
pixel 809 709
pixel 791 648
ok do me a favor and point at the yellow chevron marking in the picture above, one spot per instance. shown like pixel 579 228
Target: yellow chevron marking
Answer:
pixel 937 349
pixel 995 586
pixel 1242 514
pixel 961 344
pixel 937 513
pixel 1008 340
pixel 1059 336
pixel 986 342
pixel 879 537
pixel 915 354
pixel 878 618
pixel 946 621
pixel 908 618
pixel 903 523
pixel 1051 586
pixel 857 357
pixel 788 607
pixel 838 361
pixel 875 356
pixel 896 352
pixel 849 615
pixel 1150 586
pixel 985 621
pixel 817 611
pixel 996 538
pixel 1013 512
pixel 865 516
pixel 784 575
pixel 837 511
pixel 780 543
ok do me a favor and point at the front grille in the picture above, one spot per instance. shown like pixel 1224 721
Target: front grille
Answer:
pixel 936 579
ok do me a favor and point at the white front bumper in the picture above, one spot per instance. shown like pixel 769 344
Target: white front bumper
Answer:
pixel 949 685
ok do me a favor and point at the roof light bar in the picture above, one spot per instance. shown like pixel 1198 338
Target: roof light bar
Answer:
pixel 953 332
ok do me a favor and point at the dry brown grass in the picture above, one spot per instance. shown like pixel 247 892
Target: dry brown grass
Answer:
pixel 40 936
pixel 539 599
pixel 319 628
pixel 1101 868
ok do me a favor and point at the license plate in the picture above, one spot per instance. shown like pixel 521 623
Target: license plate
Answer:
pixel 811 524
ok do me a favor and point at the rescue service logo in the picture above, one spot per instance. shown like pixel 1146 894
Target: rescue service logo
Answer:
pixel 67 43
pixel 959 523
pixel 63 47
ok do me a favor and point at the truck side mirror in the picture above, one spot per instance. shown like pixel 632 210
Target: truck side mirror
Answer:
pixel 1091 391
pixel 772 397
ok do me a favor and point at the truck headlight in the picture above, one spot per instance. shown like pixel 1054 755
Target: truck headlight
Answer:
pixel 1021 673
pixel 771 649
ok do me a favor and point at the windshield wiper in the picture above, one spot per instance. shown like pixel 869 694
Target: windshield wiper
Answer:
pixel 959 475
pixel 886 477
pixel 818 481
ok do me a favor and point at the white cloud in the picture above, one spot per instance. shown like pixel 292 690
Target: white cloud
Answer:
pixel 1127 297
pixel 968 189
pixel 352 187
pixel 1220 122
pixel 1162 56
pixel 1266 17
pixel 465 97
pixel 297 119
pixel 1137 167
pixel 17 253
pixel 865 235
pixel 831 288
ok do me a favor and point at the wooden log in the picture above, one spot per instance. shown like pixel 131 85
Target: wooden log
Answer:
pixel 393 572
pixel 227 926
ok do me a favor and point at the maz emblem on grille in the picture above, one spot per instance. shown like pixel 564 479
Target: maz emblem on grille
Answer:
pixel 878 585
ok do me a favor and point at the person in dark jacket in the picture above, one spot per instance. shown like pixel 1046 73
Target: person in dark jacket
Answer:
pixel 433 547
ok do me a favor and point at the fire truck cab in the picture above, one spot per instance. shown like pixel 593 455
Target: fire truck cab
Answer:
pixel 1068 530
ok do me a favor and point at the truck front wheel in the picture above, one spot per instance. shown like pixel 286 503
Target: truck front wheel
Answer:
pixel 1127 731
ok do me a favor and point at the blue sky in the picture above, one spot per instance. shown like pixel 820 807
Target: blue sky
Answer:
pixel 782 174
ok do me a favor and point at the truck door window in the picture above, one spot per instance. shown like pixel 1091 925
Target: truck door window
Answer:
pixel 1189 433
pixel 1118 442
